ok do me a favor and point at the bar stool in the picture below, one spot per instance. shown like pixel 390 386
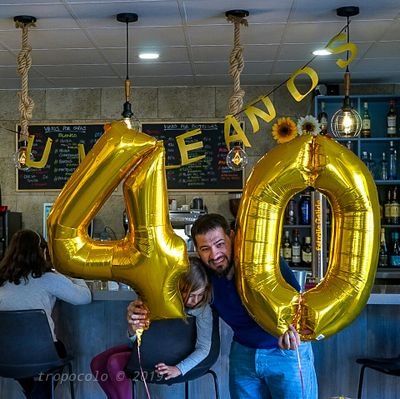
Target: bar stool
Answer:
pixel 389 366
pixel 169 341
pixel 27 348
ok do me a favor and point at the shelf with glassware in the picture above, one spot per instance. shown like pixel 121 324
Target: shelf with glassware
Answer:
pixel 377 145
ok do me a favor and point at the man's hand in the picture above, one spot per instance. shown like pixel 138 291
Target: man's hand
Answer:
pixel 290 339
pixel 137 316
pixel 167 372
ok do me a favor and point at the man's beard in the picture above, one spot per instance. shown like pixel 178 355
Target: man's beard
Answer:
pixel 224 272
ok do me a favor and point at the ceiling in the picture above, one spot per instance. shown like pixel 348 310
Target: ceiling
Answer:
pixel 80 44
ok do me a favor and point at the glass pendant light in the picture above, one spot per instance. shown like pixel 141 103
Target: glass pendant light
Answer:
pixel 19 157
pixel 237 158
pixel 346 122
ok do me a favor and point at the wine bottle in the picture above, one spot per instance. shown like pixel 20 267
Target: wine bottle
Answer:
pixel 366 122
pixel 392 170
pixel 323 119
pixel 371 165
pixel 291 212
pixel 395 255
pixel 394 208
pixel 387 208
pixel 391 120
pixel 305 208
pixel 383 253
pixel 364 157
pixel 306 252
pixel 296 249
pixel 287 247
pixel 383 175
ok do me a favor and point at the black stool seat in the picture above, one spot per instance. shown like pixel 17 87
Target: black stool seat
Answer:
pixel 170 341
pixel 386 365
pixel 27 348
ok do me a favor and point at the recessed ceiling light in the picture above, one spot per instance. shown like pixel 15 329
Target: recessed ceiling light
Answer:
pixel 148 56
pixel 321 51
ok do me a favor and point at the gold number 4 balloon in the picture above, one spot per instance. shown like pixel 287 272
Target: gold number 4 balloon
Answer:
pixel 336 172
pixel 151 258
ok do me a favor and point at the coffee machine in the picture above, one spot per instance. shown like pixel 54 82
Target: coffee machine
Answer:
pixel 183 218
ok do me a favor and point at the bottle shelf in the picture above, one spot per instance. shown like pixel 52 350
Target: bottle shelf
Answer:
pixel 373 147
pixel 366 139
pixel 378 107
pixel 296 226
pixel 387 182
pixel 388 272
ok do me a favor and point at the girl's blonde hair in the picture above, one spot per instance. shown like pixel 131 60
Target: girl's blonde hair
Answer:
pixel 196 278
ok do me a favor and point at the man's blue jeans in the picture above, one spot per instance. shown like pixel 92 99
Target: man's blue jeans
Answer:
pixel 272 373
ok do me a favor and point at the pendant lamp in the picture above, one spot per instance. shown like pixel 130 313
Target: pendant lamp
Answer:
pixel 127 18
pixel 346 122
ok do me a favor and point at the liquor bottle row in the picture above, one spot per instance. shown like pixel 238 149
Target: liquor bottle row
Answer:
pixel 386 168
pixel 392 125
pixel 298 210
pixel 299 254
pixel 389 255
pixel 391 207
pixel 295 252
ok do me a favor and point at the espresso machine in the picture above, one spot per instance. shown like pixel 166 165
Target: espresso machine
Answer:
pixel 183 218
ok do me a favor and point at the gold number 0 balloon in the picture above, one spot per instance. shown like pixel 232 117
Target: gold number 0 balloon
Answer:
pixel 151 257
pixel 287 169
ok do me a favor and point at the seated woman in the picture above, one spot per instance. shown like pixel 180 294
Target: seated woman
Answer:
pixel 195 289
pixel 27 281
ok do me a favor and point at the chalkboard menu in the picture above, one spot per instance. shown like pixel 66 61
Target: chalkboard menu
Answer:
pixel 210 173
pixel 63 158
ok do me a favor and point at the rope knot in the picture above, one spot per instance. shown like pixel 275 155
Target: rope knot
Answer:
pixel 24 62
pixel 236 65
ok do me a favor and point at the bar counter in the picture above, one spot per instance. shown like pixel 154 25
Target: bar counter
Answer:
pixel 374 298
pixel 90 329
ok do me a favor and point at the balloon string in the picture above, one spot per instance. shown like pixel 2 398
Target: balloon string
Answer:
pixel 300 372
pixel 296 320
pixel 139 334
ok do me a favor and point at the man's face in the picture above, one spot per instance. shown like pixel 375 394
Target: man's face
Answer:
pixel 215 250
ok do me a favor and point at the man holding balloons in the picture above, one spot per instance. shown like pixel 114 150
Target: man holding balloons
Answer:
pixel 261 366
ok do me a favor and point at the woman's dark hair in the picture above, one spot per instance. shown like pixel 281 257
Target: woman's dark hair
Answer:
pixel 24 256
pixel 208 222
pixel 195 279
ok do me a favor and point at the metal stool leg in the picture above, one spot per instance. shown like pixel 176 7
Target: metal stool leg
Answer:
pixel 71 383
pixel 133 389
pixel 52 386
pixel 215 380
pixel 360 382
pixel 186 389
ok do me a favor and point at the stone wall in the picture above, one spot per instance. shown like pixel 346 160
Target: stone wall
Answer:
pixel 150 105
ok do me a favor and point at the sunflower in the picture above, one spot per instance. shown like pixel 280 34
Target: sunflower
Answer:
pixel 308 125
pixel 284 130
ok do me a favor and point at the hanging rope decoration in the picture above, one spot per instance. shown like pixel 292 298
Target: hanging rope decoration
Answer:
pixel 236 158
pixel 24 61
pixel 236 61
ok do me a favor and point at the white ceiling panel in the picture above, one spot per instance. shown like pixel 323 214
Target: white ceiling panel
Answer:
pixel 80 44
pixel 151 13
pixel 138 37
